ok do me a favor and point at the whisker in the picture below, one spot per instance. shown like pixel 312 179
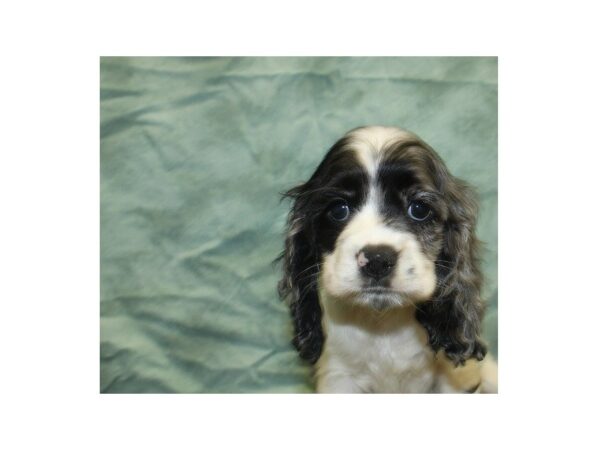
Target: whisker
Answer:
pixel 317 266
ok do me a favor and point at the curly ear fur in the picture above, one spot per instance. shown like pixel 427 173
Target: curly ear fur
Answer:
pixel 299 282
pixel 453 317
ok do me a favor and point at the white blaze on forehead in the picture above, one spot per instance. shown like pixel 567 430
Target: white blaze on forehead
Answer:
pixel 368 143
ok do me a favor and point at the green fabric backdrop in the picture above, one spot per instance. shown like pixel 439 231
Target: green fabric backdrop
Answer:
pixel 194 152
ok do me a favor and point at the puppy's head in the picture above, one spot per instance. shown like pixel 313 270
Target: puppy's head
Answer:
pixel 382 223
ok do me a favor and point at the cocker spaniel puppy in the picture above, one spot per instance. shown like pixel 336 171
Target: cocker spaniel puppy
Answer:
pixel 381 270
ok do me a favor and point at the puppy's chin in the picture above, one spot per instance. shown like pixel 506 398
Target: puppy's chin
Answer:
pixel 382 300
pixel 375 299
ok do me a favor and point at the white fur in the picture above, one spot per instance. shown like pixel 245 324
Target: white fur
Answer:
pixel 367 351
pixel 369 141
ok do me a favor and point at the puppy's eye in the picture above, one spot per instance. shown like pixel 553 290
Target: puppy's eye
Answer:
pixel 339 211
pixel 419 211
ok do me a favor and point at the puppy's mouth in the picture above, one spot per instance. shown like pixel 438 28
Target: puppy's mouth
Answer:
pixel 380 298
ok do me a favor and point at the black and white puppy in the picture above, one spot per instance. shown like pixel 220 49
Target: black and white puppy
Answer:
pixel 381 270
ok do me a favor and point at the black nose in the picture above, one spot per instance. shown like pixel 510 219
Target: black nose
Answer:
pixel 377 261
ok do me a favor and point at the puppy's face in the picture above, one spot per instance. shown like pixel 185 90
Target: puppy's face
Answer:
pixel 379 218
pixel 383 223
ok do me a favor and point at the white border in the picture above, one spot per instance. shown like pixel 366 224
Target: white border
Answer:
pixel 548 224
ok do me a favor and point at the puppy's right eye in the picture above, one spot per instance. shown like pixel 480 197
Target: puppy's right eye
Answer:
pixel 419 211
pixel 339 211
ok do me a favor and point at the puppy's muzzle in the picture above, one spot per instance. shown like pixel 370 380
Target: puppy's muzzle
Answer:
pixel 377 261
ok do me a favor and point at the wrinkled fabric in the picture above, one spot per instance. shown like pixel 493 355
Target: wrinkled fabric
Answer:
pixel 194 155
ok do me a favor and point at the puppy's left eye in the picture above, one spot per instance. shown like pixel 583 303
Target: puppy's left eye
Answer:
pixel 339 211
pixel 419 211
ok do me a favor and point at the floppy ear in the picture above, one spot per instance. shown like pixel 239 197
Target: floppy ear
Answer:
pixel 300 277
pixel 453 318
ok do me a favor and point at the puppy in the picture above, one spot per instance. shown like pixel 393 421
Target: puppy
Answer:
pixel 381 270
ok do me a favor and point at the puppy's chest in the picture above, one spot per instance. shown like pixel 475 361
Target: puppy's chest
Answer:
pixel 394 358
